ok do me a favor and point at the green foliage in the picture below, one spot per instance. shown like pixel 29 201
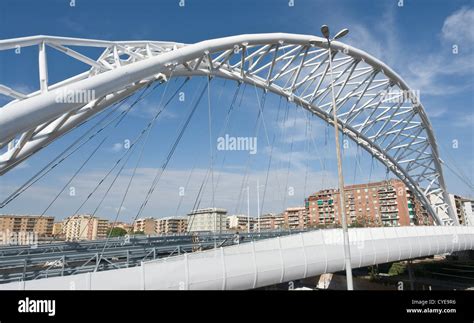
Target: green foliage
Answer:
pixel 356 224
pixel 396 269
pixel 116 232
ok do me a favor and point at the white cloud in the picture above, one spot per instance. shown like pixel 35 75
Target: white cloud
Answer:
pixel 428 72
pixel 459 27
pixel 366 40
pixel 122 209
pixel 295 128
pixel 116 147
pixel 147 109
pixel 465 121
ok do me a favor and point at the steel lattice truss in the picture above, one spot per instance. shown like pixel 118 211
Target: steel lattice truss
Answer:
pixel 375 107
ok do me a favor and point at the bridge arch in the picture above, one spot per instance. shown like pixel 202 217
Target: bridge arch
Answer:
pixel 375 106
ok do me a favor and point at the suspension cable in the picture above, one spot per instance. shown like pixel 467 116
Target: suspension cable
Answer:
pixel 121 117
pixel 261 106
pixel 58 160
pixel 211 149
pixel 170 154
pixel 89 158
pixel 114 165
pixel 289 162
pixel 148 130
pixel 270 160
pixel 225 127
pixel 198 199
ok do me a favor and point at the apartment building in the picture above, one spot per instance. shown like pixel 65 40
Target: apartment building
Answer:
pixel 266 221
pixel 463 207
pixel 145 225
pixel 295 218
pixel 57 229
pixel 84 227
pixel 122 225
pixel 208 219
pixel 385 203
pixel 42 225
pixel 272 221
pixel 171 225
pixel 24 229
pixel 321 207
pixel 468 209
pixel 241 222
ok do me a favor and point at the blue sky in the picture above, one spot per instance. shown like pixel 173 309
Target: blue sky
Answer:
pixel 416 40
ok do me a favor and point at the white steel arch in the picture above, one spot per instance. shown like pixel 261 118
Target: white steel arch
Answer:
pixel 375 107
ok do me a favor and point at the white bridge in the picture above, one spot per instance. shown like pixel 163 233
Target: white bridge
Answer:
pixel 270 261
pixel 375 108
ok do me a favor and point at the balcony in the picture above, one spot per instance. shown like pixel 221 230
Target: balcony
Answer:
pixel 390 217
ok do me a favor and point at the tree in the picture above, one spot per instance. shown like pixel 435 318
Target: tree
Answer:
pixel 116 232
pixel 397 268
pixel 356 224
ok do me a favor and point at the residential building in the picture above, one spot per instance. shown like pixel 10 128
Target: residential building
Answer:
pixel 385 203
pixel 209 219
pixel 296 218
pixel 241 222
pixel 145 225
pixel 272 221
pixel 171 225
pixel 468 208
pixel 463 209
pixel 122 225
pixel 421 215
pixel 102 228
pixel 57 229
pixel 42 225
pixel 266 221
pixel 321 207
pixel 84 227
pixel 24 229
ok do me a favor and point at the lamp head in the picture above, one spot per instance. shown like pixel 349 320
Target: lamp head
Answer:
pixel 341 33
pixel 325 31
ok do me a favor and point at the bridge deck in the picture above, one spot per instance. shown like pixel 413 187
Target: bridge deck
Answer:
pixel 270 261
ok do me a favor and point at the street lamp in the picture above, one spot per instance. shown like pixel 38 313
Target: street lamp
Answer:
pixel 345 233
pixel 248 208
pixel 258 203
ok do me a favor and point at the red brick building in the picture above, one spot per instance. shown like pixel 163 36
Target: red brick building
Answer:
pixel 386 203
pixel 296 218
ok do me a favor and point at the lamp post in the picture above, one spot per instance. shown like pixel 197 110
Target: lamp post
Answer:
pixel 248 208
pixel 345 232
pixel 258 204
